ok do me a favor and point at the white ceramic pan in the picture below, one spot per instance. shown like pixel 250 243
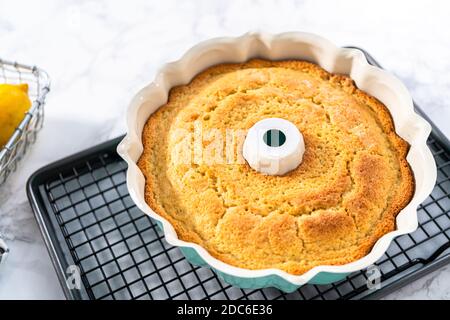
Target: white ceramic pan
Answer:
pixel 294 45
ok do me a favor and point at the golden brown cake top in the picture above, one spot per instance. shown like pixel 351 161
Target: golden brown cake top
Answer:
pixel 353 180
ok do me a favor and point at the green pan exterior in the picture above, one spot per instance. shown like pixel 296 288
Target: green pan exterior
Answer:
pixel 270 281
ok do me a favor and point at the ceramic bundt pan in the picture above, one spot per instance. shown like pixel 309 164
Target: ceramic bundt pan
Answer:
pixel 294 45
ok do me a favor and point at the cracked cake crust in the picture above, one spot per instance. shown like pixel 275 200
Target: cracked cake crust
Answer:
pixel 345 195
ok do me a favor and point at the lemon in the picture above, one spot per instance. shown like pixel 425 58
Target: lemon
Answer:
pixel 14 102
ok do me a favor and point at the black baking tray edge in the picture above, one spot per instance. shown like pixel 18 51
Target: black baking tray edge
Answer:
pixel 58 249
pixel 53 239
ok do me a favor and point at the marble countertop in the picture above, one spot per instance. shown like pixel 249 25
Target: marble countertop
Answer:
pixel 99 53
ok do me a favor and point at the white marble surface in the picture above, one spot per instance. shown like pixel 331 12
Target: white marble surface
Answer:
pixel 99 53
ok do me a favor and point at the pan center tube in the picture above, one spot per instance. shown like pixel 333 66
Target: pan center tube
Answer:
pixel 274 146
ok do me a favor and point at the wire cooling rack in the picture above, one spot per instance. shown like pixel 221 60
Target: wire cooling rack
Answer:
pixel 25 134
pixel 88 220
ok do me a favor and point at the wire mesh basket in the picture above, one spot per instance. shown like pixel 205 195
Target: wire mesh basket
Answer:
pixel 25 133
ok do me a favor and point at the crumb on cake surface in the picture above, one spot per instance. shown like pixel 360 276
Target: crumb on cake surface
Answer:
pixel 353 181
